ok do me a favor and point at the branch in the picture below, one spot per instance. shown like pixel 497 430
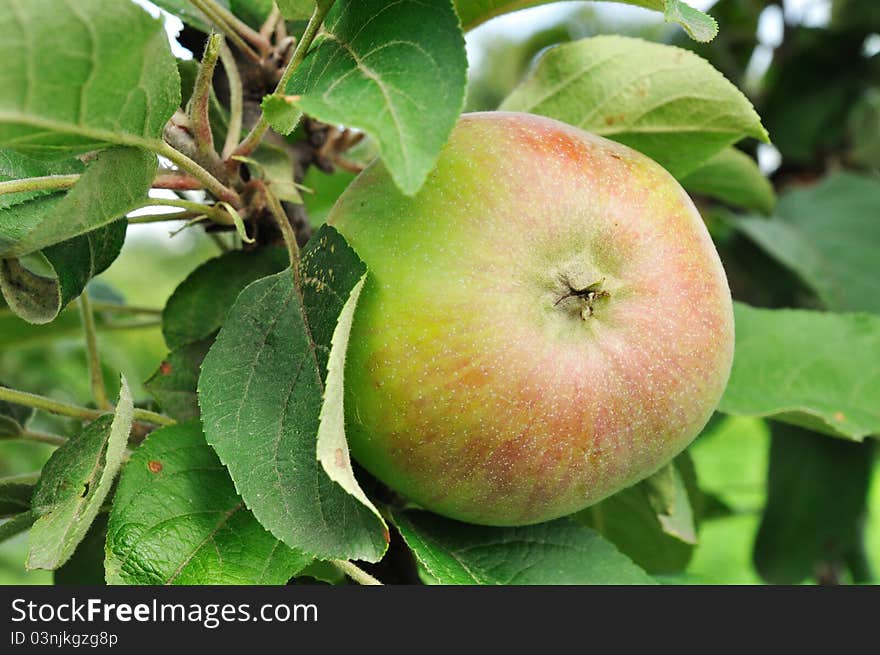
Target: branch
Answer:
pixel 99 391
pixel 176 181
pixel 253 139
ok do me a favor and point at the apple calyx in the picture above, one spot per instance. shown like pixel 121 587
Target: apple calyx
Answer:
pixel 587 295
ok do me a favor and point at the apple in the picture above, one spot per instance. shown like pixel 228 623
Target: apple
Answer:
pixel 545 323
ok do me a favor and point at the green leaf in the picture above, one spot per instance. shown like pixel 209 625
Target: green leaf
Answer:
pixel 252 12
pixel 324 572
pixel 15 498
pixel 558 552
pixel 296 9
pixel 331 270
pixel 661 100
pixel 475 12
pixel 332 445
pixel 828 234
pixel 808 120
pixel 174 382
pixel 863 127
pixel 331 288
pixel 325 190
pixel 79 231
pixel 282 115
pixel 668 496
pixel 734 178
pixel 698 25
pixel 275 166
pixel 188 13
pixel 176 519
pixel 74 484
pixel 86 565
pixel 114 184
pixel 731 456
pixel 816 502
pixel 81 75
pixel 198 307
pixel 384 67
pixel 238 221
pixel 39 298
pixel 260 393
pixel 809 368
pixel 651 522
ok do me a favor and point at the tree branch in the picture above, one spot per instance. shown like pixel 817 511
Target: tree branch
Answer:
pixel 176 181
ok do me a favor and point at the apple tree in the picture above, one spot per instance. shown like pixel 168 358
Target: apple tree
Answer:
pixel 309 144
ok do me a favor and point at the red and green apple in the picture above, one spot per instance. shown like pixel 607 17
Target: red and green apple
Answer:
pixel 545 323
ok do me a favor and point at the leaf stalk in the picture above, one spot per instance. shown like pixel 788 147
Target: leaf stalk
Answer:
pixel 99 390
pixel 200 103
pixel 45 183
pixel 355 572
pixel 61 408
pixel 255 136
pixel 229 24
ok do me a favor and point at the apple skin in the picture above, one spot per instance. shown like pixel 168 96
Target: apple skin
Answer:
pixel 477 385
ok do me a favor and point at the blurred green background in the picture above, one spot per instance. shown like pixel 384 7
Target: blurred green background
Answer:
pixel 53 361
